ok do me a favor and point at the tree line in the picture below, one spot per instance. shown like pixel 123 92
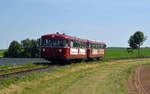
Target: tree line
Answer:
pixel 25 49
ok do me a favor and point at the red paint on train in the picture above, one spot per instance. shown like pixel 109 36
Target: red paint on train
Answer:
pixel 64 47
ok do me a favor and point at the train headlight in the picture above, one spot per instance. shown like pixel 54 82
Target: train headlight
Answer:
pixel 43 50
pixel 60 50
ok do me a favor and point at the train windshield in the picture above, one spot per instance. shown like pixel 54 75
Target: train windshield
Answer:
pixel 54 42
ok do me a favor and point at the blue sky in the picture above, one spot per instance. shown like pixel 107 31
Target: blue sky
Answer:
pixel 110 21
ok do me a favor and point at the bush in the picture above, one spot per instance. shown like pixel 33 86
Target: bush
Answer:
pixel 26 49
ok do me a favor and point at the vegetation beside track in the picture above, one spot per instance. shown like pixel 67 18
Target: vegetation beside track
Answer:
pixel 5 82
pixel 82 78
pixel 6 71
pixel 118 52
pixel 15 66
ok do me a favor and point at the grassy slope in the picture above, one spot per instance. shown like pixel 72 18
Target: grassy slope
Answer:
pixel 2 52
pixel 117 52
pixel 94 78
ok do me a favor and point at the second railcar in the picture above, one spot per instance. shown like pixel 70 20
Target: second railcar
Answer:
pixel 95 50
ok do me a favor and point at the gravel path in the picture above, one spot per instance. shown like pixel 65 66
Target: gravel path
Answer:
pixel 14 61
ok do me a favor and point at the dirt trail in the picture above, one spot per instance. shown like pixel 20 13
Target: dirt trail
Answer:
pixel 139 82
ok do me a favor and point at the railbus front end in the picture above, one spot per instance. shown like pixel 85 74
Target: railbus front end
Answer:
pixel 54 47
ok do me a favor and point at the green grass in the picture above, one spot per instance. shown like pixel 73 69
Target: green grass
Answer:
pixel 17 65
pixel 16 79
pixel 83 78
pixel 118 52
pixel 22 69
pixel 2 52
pixel 30 65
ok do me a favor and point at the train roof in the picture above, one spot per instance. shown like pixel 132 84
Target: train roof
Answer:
pixel 95 42
pixel 71 37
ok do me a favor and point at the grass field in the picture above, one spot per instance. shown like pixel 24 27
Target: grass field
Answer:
pixel 118 52
pixel 83 78
pixel 2 53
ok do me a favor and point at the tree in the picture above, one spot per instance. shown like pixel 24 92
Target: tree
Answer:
pixel 26 45
pixel 14 50
pixel 31 48
pixel 35 48
pixel 136 40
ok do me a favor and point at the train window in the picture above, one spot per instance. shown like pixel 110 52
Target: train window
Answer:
pixel 42 42
pixel 54 42
pixel 102 46
pixel 64 43
pixel 78 44
pixel 75 44
pixel 49 42
pixel 99 46
pixel 84 45
pixel 81 44
pixel 60 42
pixel 94 46
pixel 89 45
pixel 71 44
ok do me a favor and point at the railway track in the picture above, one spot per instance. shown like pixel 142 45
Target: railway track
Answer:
pixel 6 75
pixel 16 61
pixel 1 70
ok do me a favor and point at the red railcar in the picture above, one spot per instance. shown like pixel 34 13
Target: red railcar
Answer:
pixel 95 50
pixel 56 47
